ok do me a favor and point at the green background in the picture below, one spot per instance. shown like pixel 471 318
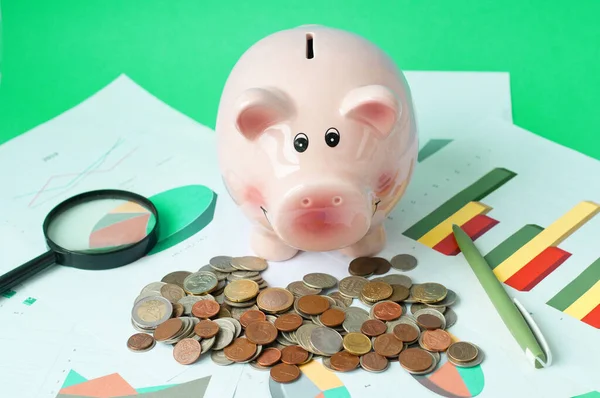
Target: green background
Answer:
pixel 57 53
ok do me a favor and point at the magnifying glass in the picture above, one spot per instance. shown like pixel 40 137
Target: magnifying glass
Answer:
pixel 95 230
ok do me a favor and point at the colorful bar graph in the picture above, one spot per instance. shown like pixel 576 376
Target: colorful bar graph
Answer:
pixel 505 249
pixel 443 229
pixel 431 147
pixel 537 269
pixel 581 298
pixel 473 193
pixel 475 227
pixel 551 236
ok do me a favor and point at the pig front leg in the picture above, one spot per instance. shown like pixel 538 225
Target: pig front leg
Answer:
pixel 371 244
pixel 268 246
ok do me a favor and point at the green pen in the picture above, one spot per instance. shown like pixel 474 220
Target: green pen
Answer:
pixel 512 313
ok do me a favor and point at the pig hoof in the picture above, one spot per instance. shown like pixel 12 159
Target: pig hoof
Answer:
pixel 370 245
pixel 271 248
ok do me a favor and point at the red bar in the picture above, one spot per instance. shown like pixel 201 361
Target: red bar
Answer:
pixel 475 227
pixel 537 269
pixel 593 317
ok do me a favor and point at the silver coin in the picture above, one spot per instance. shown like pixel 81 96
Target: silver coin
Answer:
pixel 237 312
pixel 231 324
pixel 153 287
pixel 327 363
pixel 223 338
pixel 220 275
pixel 219 358
pixel 326 340
pixel 404 262
pixel 207 344
pixel 257 366
pixel 151 311
pixel 303 335
pixel 299 288
pixel 189 301
pixel 244 275
pixel 200 282
pixel 147 293
pixel 450 317
pixel 397 279
pixel 337 296
pixel 414 307
pixel 434 312
pixel 449 300
pixel 256 354
pixel 221 263
pixel 249 263
pixel 318 280
pixel 351 286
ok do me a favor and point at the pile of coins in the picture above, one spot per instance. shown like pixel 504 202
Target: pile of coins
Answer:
pixel 227 309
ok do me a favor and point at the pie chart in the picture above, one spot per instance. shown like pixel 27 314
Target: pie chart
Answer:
pixel 315 381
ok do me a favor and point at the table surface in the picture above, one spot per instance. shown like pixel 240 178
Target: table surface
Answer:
pixel 57 53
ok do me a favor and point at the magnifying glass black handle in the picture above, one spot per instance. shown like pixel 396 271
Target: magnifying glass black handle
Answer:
pixel 27 270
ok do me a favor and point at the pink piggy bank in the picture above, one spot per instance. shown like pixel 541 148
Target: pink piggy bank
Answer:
pixel 316 141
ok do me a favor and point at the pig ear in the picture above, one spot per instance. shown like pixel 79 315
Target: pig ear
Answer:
pixel 260 108
pixel 374 105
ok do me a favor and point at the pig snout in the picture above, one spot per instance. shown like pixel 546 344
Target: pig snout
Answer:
pixel 323 218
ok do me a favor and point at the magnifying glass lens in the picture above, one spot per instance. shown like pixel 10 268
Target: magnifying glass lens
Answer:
pixel 101 225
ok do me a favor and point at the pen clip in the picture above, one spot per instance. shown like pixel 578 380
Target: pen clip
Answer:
pixel 538 335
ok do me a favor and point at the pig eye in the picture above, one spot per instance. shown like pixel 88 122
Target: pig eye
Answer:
pixel 301 142
pixel 332 137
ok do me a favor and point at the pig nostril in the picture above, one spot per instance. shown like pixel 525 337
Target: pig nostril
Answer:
pixel 306 202
pixel 337 201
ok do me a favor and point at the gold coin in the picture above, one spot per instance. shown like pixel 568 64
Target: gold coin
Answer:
pixel 429 292
pixel 241 290
pixel 376 291
pixel 275 299
pixel 357 343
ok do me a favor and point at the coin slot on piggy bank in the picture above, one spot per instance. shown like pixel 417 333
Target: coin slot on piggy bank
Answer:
pixel 316 151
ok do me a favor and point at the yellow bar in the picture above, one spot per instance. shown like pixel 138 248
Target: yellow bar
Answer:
pixel 551 236
pixel 323 378
pixel 443 229
pixel 584 304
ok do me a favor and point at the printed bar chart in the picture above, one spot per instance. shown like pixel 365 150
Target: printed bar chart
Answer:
pixel 537 269
pixel 463 209
pixel 581 297
pixel 505 249
pixel 431 147
pixel 549 237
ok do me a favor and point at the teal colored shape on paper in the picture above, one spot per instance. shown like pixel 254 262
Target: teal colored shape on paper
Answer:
pixel 72 379
pixel 431 147
pixel 29 301
pixel 473 378
pixel 591 394
pixel 338 392
pixel 9 294
pixel 145 390
pixel 182 212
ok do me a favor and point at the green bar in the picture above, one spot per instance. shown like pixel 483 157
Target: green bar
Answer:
pixel 9 294
pixel 431 147
pixel 570 293
pixel 476 191
pixel 513 243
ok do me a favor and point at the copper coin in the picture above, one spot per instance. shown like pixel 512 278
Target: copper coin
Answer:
pixel 405 333
pixel 206 329
pixel 332 317
pixel 294 355
pixel 436 340
pixel 140 342
pixel 285 373
pixel 313 305
pixel 383 265
pixel 269 357
pixel 428 321
pixel 205 309
pixel 387 345
pixel 415 359
pixel 362 266
pixel 261 332
pixel 373 327
pixel 168 329
pixel 240 350
pixel 374 362
pixel 400 293
pixel 387 311
pixel 343 361
pixel 275 299
pixel 288 322
pixel 178 310
pixel 252 315
pixel 187 351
